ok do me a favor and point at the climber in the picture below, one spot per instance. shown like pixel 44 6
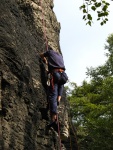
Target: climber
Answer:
pixel 56 68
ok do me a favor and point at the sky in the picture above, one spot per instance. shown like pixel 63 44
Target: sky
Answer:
pixel 82 46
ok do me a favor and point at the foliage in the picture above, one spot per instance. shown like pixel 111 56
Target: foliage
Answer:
pixel 92 106
pixel 99 6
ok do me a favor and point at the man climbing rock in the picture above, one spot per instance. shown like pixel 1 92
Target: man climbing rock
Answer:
pixel 58 78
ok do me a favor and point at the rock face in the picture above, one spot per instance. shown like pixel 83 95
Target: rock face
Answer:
pixel 25 28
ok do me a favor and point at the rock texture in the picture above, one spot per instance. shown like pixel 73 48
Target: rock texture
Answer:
pixel 25 28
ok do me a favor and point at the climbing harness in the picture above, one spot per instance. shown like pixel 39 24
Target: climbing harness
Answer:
pixel 59 70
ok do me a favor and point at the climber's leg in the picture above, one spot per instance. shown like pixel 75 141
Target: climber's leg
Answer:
pixel 53 94
pixel 60 91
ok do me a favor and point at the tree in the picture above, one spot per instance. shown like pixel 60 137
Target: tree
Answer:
pixel 101 7
pixel 92 105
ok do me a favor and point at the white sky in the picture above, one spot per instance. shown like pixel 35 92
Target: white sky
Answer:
pixel 82 46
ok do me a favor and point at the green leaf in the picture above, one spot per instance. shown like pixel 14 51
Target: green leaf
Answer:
pixel 98 19
pixel 106 13
pixel 89 22
pixel 89 17
pixel 103 1
pixel 107 4
pixel 98 12
pixel 106 19
pixel 80 7
pixel 101 23
pixel 99 15
pixel 84 11
pixel 93 8
pixel 84 16
pixel 83 6
pixel 105 8
pixel 97 4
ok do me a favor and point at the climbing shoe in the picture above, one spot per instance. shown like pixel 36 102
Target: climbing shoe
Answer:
pixel 53 125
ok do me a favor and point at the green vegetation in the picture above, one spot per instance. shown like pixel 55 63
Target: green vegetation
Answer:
pixel 101 7
pixel 92 105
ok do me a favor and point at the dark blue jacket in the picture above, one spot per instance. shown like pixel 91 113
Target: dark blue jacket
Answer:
pixel 55 60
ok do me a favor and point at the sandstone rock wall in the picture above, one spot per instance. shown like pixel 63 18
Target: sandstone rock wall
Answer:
pixel 23 89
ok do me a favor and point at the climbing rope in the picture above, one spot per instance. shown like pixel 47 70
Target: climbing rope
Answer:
pixel 74 136
pixel 59 132
pixel 46 40
pixel 0 91
pixel 70 122
pixel 70 139
pixel 44 25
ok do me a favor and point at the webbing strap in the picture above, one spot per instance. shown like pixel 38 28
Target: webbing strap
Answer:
pixel 52 82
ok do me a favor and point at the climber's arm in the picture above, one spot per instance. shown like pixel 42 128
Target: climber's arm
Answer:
pixel 43 58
